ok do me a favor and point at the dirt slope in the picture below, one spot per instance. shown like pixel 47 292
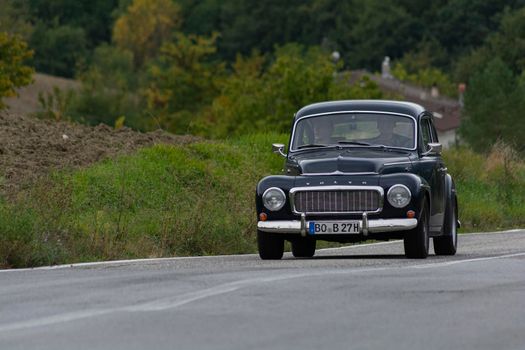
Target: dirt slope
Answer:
pixel 30 148
pixel 27 103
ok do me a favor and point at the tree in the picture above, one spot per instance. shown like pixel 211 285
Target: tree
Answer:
pixel 94 16
pixel 13 70
pixel 492 108
pixel 145 26
pixel 382 28
pixel 58 49
pixel 263 93
pixel 183 80
pixel 14 18
pixel 109 89
pixel 258 25
pixel 460 25
pixel 507 43
pixel 65 32
pixel 201 17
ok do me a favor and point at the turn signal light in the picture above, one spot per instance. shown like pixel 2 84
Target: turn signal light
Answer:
pixel 411 214
pixel 263 216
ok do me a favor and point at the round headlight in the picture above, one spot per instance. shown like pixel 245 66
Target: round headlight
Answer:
pixel 399 196
pixel 274 199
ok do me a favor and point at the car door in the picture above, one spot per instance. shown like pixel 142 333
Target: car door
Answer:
pixel 431 169
pixel 441 173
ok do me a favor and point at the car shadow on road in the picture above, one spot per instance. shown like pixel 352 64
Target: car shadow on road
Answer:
pixel 360 256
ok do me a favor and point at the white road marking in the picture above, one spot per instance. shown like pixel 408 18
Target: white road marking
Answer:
pixel 163 304
pixel 153 260
pixel 55 319
pixel 455 262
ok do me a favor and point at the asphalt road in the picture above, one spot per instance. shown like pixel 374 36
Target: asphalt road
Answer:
pixel 367 297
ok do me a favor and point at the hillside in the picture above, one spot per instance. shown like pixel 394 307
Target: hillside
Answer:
pixel 31 148
pixel 27 100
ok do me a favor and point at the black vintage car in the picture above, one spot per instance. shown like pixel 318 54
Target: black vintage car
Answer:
pixel 359 170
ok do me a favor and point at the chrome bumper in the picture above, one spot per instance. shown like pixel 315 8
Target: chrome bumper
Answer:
pixel 365 225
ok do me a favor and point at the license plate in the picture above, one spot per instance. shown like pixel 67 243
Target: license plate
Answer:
pixel 333 227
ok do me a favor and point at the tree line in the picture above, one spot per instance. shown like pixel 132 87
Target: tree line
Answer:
pixel 214 67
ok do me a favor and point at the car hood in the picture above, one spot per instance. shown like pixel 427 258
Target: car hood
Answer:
pixel 354 160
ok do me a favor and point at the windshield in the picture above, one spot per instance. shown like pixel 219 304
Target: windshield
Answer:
pixel 360 129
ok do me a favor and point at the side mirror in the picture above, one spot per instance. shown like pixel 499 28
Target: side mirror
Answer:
pixel 278 148
pixel 434 149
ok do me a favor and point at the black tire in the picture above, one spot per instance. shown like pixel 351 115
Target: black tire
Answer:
pixel 271 246
pixel 303 247
pixel 417 240
pixel 448 243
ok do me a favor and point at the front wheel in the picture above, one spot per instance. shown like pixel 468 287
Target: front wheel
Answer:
pixel 417 240
pixel 448 243
pixel 271 246
pixel 303 247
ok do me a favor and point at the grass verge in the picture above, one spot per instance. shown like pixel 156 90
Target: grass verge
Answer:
pixel 491 188
pixel 198 199
pixel 194 199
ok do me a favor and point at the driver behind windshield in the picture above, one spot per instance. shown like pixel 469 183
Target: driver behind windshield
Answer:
pixel 388 137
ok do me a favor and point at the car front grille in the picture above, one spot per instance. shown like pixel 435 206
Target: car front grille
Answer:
pixel 337 201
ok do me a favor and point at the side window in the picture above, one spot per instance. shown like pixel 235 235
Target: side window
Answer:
pixel 426 137
pixel 434 133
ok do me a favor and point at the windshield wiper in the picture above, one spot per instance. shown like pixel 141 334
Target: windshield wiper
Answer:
pixel 354 143
pixel 380 146
pixel 389 148
pixel 311 145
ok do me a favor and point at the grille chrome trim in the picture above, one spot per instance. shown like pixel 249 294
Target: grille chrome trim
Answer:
pixel 335 189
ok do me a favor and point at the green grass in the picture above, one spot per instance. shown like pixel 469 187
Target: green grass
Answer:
pixel 491 189
pixel 198 199
pixel 165 200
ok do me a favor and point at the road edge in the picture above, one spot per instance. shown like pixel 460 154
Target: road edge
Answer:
pixel 168 259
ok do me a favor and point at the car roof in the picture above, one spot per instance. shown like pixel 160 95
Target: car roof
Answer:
pixel 401 107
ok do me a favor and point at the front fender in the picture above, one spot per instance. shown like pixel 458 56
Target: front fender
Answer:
pixel 450 188
pixel 450 196
pixel 418 186
pixel 283 182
